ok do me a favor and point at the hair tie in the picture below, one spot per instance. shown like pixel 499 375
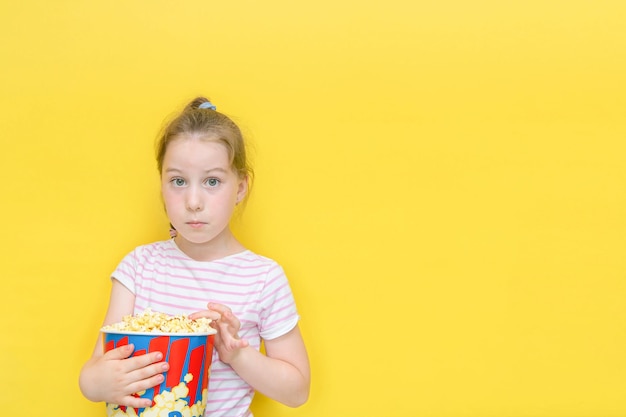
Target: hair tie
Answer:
pixel 207 105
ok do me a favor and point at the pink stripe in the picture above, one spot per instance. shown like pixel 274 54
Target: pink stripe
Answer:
pixel 225 274
pixel 261 269
pixel 225 279
pixel 275 322
pixel 154 303
pixel 172 253
pixel 231 261
pixel 240 407
pixel 187 287
pixel 146 302
pixel 283 297
pixel 123 274
pixel 233 389
pixel 214 295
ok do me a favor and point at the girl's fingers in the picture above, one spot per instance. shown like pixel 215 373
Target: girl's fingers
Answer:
pixel 228 326
pixel 136 402
pixel 141 363
pixel 146 383
pixel 213 315
pixel 228 335
pixel 229 318
pixel 145 378
pixel 238 344
pixel 148 371
pixel 121 352
pixel 136 362
pixel 220 308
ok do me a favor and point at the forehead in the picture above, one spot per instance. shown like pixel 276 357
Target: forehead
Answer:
pixel 196 150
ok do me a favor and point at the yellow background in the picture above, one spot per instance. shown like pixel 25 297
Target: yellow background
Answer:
pixel 443 181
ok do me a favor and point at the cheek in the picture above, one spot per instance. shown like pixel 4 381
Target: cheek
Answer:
pixel 169 199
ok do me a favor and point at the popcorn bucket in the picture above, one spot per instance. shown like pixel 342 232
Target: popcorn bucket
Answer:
pixel 183 393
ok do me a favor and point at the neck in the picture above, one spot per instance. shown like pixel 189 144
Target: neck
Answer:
pixel 217 248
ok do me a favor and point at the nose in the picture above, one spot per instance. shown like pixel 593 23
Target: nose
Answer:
pixel 194 199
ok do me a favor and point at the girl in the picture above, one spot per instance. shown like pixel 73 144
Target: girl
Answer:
pixel 204 270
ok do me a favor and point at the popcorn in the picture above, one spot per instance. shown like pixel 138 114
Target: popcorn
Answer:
pixel 166 404
pixel 155 322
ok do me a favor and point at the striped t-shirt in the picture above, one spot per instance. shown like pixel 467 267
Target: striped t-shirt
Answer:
pixel 255 288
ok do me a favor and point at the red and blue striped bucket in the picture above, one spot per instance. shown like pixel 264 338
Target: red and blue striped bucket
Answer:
pixel 184 390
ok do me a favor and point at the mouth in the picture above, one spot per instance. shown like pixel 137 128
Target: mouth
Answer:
pixel 195 224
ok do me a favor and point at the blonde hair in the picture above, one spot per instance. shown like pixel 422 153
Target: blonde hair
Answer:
pixel 202 119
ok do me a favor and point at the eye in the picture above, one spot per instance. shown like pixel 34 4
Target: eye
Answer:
pixel 212 182
pixel 177 182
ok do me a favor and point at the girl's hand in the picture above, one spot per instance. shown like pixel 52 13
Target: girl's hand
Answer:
pixel 227 341
pixel 118 377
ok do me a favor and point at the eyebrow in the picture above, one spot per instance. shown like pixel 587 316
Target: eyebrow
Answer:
pixel 207 171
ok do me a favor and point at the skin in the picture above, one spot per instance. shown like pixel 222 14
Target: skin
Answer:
pixel 200 191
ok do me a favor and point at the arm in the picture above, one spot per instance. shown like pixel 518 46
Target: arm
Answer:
pixel 113 378
pixel 283 374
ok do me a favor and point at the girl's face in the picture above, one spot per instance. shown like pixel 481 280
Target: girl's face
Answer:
pixel 200 191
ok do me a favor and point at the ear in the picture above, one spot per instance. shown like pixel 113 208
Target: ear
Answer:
pixel 242 189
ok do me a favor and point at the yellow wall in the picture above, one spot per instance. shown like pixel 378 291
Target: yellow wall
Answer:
pixel 443 180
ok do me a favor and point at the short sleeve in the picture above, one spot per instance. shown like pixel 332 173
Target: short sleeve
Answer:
pixel 126 271
pixel 278 313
